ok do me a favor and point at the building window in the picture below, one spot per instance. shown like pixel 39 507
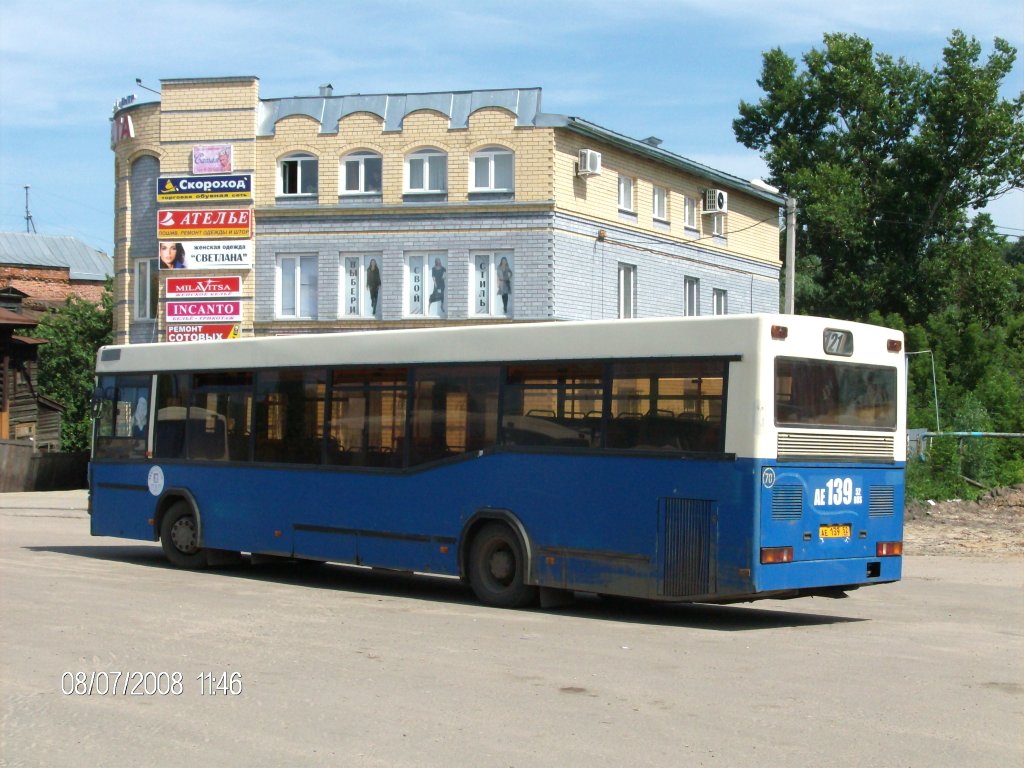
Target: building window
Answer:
pixel 627 290
pixel 297 175
pixel 147 289
pixel 626 185
pixel 720 298
pixel 691 296
pixel 492 169
pixel 296 286
pixel 361 173
pixel 718 225
pixel 426 279
pixel 426 171
pixel 361 294
pixel 660 204
pixel 492 284
pixel 690 212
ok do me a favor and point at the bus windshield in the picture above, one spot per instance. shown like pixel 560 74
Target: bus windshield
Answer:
pixel 830 394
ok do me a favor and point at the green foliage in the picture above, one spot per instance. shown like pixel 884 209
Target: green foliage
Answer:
pixel 886 160
pixel 939 476
pixel 67 363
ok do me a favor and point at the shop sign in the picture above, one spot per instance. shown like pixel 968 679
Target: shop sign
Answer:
pixel 194 224
pixel 209 311
pixel 203 287
pixel 172 189
pixel 203 332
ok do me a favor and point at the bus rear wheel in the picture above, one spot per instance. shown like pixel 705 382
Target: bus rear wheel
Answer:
pixel 179 537
pixel 497 568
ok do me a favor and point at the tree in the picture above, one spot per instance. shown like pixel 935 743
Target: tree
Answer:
pixel 67 363
pixel 885 160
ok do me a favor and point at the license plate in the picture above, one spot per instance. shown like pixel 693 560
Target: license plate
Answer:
pixel 835 531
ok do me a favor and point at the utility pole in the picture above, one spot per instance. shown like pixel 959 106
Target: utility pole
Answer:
pixel 28 215
pixel 790 254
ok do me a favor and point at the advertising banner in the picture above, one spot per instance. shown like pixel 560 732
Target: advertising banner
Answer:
pixel 203 332
pixel 173 189
pixel 216 254
pixel 203 287
pixel 195 224
pixel 209 311
pixel 211 158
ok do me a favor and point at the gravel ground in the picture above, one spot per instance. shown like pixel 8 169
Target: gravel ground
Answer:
pixel 992 525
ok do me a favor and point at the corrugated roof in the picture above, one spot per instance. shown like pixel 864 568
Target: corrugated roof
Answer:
pixel 82 261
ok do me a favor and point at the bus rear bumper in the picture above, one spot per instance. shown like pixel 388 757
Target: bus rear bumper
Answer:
pixel 809 575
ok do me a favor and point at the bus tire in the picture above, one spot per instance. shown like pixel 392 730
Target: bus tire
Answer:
pixel 179 537
pixel 497 568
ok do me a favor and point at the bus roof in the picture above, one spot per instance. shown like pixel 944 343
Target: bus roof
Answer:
pixel 491 343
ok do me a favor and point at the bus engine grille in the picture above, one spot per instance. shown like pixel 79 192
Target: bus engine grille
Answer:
pixel 826 447
pixel 690 547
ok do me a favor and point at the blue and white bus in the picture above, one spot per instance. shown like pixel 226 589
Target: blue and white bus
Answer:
pixel 715 459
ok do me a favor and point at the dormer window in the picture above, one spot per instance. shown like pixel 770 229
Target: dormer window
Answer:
pixel 361 173
pixel 426 170
pixel 492 169
pixel 297 175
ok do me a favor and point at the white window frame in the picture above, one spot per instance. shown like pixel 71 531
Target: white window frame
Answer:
pixel 627 290
pixel 720 301
pixel 627 193
pixel 359 157
pixel 302 161
pixel 353 286
pixel 429 156
pixel 490 156
pixel 691 296
pixel 147 289
pixel 420 265
pixel 690 212
pixel 305 273
pixel 718 223
pixel 659 203
pixel 485 301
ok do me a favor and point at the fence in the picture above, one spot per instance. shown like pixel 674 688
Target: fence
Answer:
pixel 24 469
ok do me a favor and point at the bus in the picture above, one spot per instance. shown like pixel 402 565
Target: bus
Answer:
pixel 716 459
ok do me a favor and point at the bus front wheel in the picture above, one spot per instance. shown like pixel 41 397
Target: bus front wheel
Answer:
pixel 179 537
pixel 497 568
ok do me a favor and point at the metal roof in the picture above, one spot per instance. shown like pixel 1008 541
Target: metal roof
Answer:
pixel 82 261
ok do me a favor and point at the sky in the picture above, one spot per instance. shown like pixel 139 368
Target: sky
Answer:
pixel 676 69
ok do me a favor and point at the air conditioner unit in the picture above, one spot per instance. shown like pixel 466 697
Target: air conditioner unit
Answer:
pixel 716 201
pixel 590 163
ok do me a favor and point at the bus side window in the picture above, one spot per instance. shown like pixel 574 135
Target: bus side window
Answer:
pixel 367 418
pixel 122 422
pixel 172 391
pixel 290 416
pixel 219 423
pixel 455 411
pixel 555 405
pixel 667 405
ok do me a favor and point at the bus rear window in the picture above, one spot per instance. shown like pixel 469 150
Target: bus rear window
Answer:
pixel 823 393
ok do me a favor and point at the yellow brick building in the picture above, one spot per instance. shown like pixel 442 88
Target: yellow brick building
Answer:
pixel 396 210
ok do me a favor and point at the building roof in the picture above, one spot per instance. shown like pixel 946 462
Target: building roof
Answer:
pixel 24 319
pixel 457 106
pixel 82 261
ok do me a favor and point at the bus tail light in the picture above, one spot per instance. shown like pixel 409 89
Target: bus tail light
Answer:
pixel 776 555
pixel 780 332
pixel 894 345
pixel 889 549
